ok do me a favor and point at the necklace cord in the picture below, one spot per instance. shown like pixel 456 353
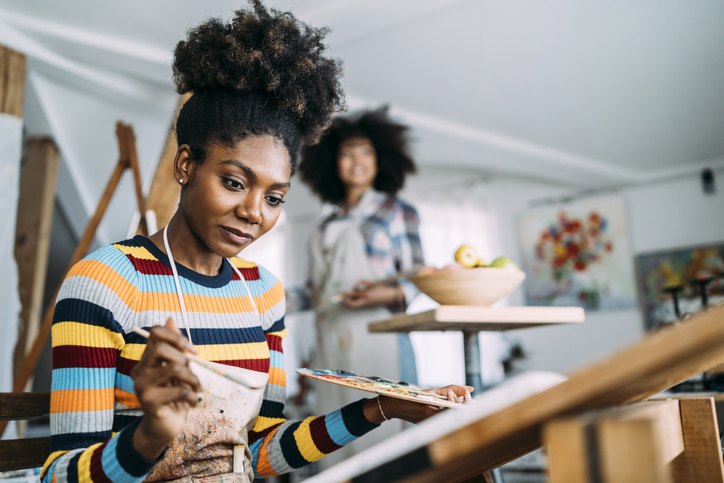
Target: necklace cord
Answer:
pixel 180 294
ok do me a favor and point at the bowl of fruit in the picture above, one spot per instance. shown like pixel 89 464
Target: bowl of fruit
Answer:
pixel 469 281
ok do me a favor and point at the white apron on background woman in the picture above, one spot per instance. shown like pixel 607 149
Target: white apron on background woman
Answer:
pixel 339 260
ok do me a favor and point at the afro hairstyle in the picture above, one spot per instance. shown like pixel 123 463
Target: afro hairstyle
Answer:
pixel 262 73
pixel 318 166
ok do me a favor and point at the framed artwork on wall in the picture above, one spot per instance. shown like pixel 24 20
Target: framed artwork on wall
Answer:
pixel 578 253
pixel 672 281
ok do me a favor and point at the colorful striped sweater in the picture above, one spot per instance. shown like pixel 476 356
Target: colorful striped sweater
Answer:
pixel 94 410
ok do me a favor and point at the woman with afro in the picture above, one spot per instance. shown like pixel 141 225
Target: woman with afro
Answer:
pixel 126 405
pixel 358 167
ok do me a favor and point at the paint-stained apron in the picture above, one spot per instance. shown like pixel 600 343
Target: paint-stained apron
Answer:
pixel 343 341
pixel 213 445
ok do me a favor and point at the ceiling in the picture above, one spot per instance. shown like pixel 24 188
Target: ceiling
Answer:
pixel 584 93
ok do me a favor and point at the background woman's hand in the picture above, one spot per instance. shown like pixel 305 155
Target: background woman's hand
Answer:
pixel 166 389
pixel 366 294
pixel 411 411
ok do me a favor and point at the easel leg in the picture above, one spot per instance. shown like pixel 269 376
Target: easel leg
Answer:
pixel 702 458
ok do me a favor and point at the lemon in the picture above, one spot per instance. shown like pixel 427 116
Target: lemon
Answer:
pixel 466 256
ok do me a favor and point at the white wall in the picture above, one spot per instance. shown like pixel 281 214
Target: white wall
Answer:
pixel 667 214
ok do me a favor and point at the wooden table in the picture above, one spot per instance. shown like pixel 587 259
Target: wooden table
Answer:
pixel 470 320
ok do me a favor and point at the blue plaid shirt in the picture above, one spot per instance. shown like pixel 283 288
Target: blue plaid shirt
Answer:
pixel 390 228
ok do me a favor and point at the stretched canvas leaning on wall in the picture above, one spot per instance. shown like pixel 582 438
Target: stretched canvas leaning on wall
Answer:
pixel 578 253
pixel 683 271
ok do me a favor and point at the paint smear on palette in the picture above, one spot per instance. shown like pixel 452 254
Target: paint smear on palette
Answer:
pixel 205 446
pixel 377 385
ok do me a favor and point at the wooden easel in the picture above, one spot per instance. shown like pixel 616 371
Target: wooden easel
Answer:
pixel 642 370
pixel 128 159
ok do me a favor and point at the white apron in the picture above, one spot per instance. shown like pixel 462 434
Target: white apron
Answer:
pixel 213 445
pixel 343 341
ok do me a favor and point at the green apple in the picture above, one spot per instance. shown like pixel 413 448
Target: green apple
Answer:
pixel 503 262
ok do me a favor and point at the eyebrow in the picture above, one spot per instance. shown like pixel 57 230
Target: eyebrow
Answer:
pixel 252 174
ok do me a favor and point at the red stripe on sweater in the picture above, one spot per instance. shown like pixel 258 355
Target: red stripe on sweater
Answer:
pixel 96 466
pixel 248 273
pixel 150 267
pixel 320 436
pixel 274 342
pixel 65 356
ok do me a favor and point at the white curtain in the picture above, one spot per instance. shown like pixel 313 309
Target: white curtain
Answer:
pixel 452 215
pixel 11 135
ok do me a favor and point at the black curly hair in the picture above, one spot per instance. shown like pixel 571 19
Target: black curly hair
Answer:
pixel 318 167
pixel 262 73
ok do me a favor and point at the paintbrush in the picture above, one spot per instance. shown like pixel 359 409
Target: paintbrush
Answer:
pixel 208 365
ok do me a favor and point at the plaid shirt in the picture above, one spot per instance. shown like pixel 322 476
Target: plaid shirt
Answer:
pixel 390 228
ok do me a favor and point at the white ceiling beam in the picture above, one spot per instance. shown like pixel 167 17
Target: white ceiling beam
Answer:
pixel 77 74
pixel 86 37
pixel 503 142
pixel 601 172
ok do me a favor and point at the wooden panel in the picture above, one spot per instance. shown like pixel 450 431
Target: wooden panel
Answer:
pixel 32 237
pixel 565 441
pixel 468 317
pixel 12 82
pixel 657 362
pixel 24 453
pixel 666 414
pixel 17 406
pixel 164 193
pixel 702 459
pixel 631 452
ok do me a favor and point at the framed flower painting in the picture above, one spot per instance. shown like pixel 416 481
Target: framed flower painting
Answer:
pixel 680 282
pixel 578 253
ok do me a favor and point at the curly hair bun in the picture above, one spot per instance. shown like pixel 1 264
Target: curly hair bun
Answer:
pixel 267 52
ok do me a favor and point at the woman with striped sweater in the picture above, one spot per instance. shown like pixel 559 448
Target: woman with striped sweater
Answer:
pixel 125 408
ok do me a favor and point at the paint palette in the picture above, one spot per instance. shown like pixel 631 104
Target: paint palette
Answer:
pixel 378 385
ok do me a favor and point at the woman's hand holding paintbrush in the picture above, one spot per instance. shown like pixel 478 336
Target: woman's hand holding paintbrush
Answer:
pixel 166 389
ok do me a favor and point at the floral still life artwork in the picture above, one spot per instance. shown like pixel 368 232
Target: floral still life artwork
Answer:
pixel 682 280
pixel 578 254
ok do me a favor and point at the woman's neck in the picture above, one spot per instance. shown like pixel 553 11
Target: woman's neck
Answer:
pixel 353 195
pixel 187 248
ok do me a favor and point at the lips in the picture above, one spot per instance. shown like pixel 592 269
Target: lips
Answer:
pixel 237 236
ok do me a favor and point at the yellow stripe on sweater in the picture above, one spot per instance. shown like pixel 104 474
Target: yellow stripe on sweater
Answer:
pixel 71 333
pixel 263 422
pixel 239 263
pixel 303 437
pixel 84 469
pixel 221 352
pixel 281 334
pixel 141 253
pixel 53 456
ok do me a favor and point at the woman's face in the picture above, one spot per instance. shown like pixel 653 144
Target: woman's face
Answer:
pixel 357 163
pixel 235 195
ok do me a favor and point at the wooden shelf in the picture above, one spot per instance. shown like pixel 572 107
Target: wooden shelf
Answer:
pixel 471 318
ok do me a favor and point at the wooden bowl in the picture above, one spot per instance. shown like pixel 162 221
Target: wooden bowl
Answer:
pixel 471 286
